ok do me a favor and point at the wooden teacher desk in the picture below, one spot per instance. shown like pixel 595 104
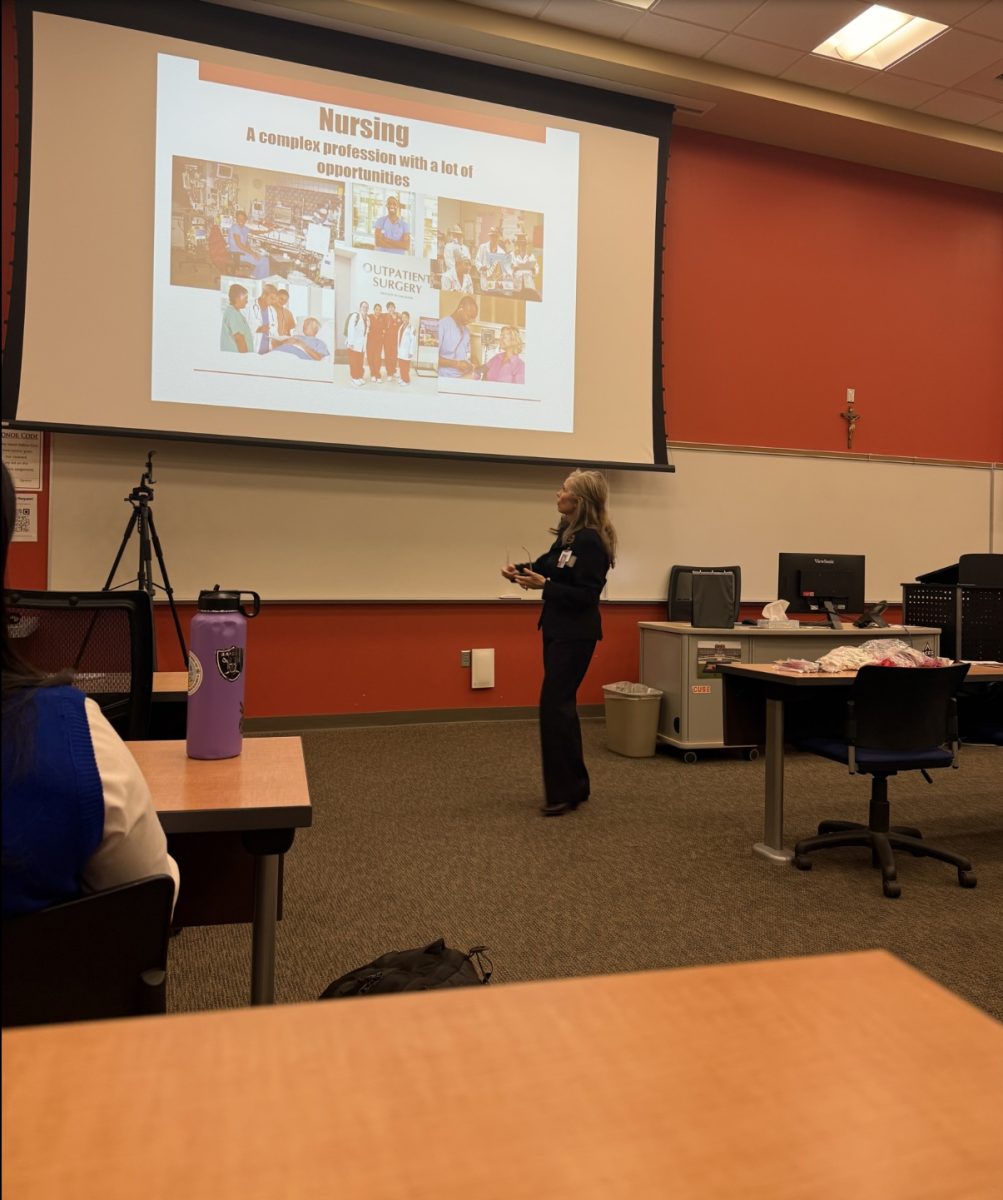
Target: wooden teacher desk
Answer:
pixel 261 798
pixel 754 699
pixel 823 1078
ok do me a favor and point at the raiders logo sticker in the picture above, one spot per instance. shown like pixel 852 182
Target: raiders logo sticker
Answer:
pixel 194 673
pixel 230 662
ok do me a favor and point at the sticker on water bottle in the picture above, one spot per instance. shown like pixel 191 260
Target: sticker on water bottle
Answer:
pixel 194 673
pixel 230 662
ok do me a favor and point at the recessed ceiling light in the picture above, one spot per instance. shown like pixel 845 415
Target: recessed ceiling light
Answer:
pixel 879 37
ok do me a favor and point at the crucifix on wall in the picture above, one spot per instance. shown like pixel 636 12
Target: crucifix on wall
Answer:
pixel 851 417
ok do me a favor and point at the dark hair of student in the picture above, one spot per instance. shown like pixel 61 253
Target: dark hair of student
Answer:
pixel 20 679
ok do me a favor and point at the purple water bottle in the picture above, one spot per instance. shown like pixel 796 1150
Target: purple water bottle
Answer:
pixel 218 641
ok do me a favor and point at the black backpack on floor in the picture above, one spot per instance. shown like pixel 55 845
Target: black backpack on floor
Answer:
pixel 434 966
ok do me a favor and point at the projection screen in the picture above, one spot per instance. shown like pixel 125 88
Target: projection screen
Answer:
pixel 229 245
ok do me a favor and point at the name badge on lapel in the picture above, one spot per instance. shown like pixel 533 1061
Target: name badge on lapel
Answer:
pixel 566 559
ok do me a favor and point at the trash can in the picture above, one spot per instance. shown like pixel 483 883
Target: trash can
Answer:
pixel 632 718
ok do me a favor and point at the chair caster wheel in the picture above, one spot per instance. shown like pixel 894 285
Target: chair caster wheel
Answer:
pixel 690 756
pixel 967 879
pixel 802 862
pixel 752 755
pixel 892 890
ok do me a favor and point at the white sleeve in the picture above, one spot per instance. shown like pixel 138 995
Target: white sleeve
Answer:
pixel 133 845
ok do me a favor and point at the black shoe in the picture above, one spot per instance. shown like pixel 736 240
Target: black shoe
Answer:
pixel 556 810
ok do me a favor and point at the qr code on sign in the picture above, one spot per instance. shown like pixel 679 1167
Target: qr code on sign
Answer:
pixel 22 518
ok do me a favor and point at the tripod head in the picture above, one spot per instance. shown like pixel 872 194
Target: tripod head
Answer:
pixel 142 493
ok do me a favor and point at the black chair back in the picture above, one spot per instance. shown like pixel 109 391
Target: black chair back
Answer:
pixel 905 708
pixel 104 638
pixel 101 956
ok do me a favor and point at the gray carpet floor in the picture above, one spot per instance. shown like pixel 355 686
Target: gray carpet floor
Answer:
pixel 422 831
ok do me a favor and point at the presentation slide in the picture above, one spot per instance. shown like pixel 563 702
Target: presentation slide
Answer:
pixel 411 238
pixel 255 248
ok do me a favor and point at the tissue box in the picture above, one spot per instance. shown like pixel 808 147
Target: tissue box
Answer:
pixel 763 623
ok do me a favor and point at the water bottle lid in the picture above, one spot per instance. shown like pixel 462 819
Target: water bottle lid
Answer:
pixel 216 601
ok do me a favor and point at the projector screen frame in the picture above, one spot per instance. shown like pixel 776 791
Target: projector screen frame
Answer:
pixel 387 61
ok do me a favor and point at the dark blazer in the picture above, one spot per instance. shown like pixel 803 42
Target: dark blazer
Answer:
pixel 571 594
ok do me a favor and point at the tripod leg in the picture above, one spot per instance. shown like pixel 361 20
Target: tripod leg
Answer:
pixel 121 550
pixel 144 577
pixel 167 587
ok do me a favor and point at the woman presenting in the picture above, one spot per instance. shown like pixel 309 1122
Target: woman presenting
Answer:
pixel 571 575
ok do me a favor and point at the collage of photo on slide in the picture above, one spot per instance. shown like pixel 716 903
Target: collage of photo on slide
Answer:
pixel 357 284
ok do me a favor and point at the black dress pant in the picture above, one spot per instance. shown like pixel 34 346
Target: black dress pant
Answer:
pixel 565 778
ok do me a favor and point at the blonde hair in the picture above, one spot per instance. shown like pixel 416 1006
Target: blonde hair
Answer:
pixel 517 343
pixel 590 490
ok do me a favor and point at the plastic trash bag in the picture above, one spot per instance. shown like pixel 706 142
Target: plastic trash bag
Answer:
pixel 630 689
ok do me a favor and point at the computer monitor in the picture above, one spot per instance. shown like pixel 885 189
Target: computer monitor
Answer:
pixel 821 583
pixel 282 214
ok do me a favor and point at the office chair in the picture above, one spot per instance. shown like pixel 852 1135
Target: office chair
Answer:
pixel 101 956
pixel 898 719
pixel 104 638
pixel 707 596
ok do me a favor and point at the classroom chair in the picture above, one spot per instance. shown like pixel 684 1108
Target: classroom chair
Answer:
pixel 104 638
pixel 897 719
pixel 101 956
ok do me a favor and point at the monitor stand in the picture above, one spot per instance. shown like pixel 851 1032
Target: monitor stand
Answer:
pixel 830 612
pixel 872 619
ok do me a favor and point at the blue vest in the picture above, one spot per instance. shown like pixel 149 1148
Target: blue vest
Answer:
pixel 53 800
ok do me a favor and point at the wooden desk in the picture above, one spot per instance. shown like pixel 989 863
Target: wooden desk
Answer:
pixel 822 1078
pixel 170 684
pixel 262 795
pixel 749 690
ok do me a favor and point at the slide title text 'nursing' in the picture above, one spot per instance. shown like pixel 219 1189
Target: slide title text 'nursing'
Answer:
pixel 374 127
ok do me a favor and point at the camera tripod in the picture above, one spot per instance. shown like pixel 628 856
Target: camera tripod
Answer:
pixel 141 519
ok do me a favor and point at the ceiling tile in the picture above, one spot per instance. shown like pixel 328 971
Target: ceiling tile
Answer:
pixel 958 106
pixel 594 16
pixel 795 23
pixel 750 55
pixel 993 123
pixel 677 37
pixel 522 8
pixel 986 82
pixel 954 56
pixel 947 12
pixel 903 93
pixel 827 73
pixel 716 14
pixel 987 20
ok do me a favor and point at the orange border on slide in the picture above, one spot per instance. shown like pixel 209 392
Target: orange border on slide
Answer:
pixel 258 81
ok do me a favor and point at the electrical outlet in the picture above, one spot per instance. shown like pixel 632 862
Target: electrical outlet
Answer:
pixel 464 658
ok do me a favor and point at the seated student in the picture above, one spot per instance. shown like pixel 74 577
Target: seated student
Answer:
pixel 306 344
pixel 77 814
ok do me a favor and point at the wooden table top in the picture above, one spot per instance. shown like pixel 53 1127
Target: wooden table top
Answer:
pixel 264 787
pixel 829 1077
pixel 170 682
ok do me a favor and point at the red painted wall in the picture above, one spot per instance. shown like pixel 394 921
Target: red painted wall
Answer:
pixel 352 658
pixel 789 277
